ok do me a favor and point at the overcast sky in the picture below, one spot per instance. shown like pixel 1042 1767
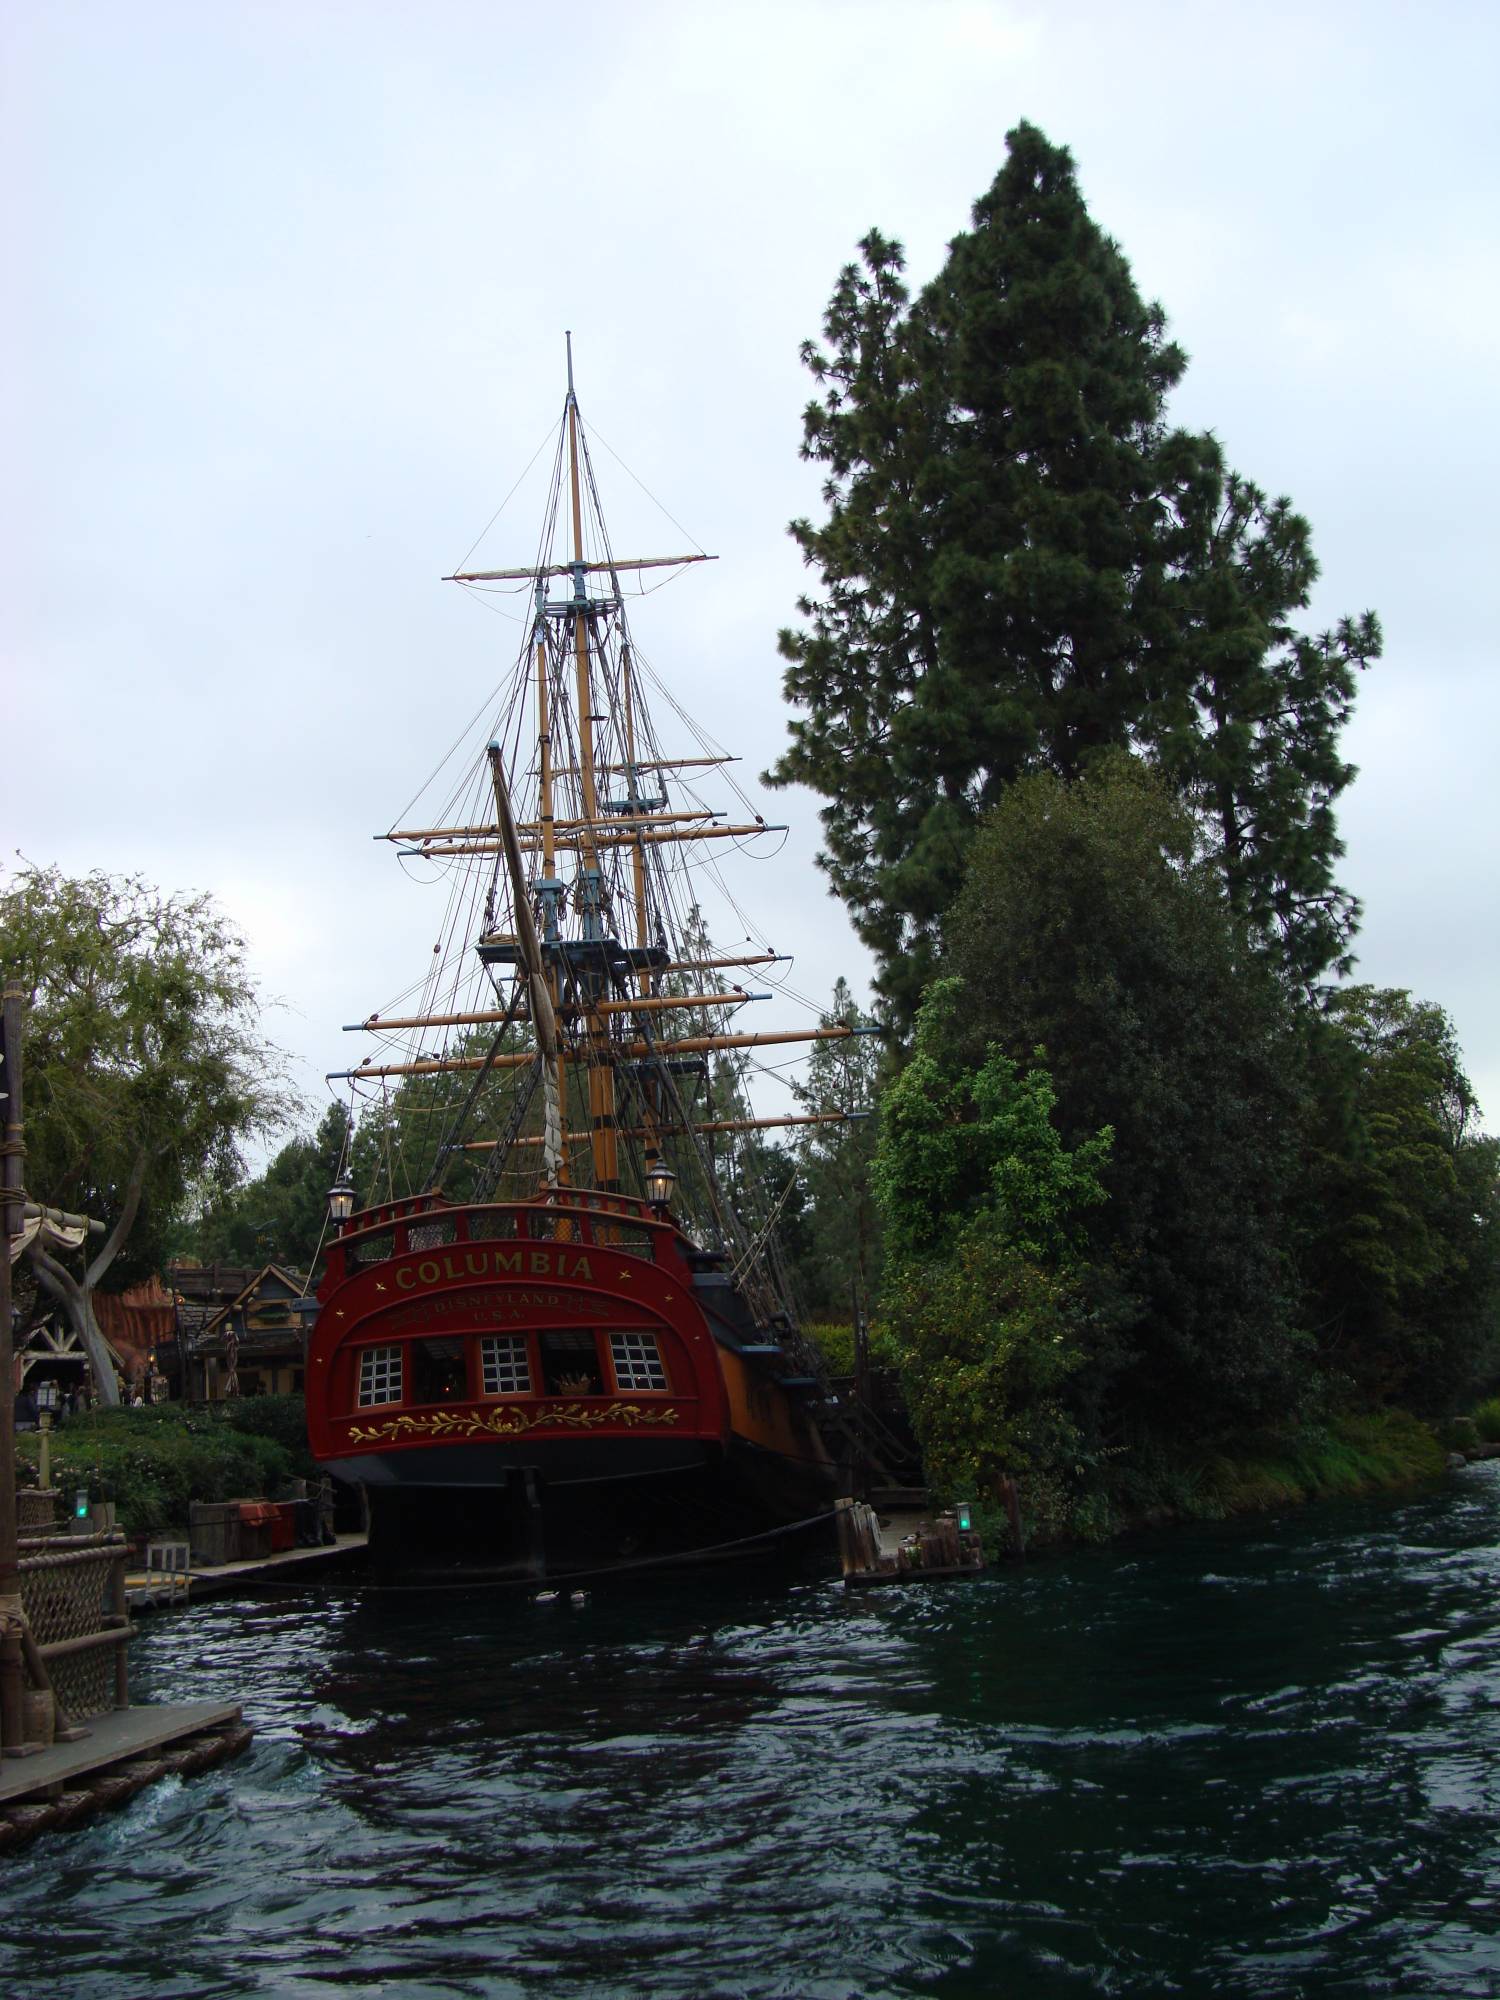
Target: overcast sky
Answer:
pixel 288 284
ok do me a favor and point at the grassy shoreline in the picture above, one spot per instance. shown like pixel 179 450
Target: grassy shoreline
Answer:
pixel 1346 1458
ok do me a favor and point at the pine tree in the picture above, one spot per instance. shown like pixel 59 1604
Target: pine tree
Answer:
pixel 988 550
pixel 872 637
pixel 1023 567
pixel 1248 711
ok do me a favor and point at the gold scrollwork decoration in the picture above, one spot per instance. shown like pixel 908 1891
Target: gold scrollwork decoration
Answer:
pixel 510 1420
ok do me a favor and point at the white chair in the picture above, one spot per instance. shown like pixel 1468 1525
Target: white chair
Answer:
pixel 169 1569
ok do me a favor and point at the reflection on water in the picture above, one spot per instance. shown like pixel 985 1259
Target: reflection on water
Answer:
pixel 1256 1760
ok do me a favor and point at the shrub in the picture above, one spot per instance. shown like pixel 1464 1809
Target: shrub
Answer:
pixel 834 1343
pixel 1349 1456
pixel 154 1462
pixel 1487 1420
pixel 1458 1434
pixel 280 1418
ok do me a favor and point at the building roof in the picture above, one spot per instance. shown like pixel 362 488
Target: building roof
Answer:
pixel 292 1282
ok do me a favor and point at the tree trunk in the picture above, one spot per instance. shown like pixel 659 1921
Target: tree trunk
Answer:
pixel 77 1302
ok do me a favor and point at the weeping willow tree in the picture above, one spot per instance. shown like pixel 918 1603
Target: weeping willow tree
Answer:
pixel 146 1069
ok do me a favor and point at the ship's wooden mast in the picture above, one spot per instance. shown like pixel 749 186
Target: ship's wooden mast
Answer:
pixel 590 891
pixel 576 973
pixel 540 984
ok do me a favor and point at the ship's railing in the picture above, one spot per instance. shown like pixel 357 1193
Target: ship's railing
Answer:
pixel 583 1219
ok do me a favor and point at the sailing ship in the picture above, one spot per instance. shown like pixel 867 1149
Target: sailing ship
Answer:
pixel 566 1342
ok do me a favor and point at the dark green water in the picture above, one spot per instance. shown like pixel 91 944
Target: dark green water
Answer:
pixel 1245 1761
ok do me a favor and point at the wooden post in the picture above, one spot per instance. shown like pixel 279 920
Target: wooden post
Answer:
pixel 12 1151
pixel 1012 1499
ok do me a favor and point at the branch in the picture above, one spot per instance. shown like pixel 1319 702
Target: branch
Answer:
pixel 59 1281
pixel 115 1241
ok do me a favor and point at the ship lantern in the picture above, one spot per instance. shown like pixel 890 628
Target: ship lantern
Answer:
pixel 340 1203
pixel 964 1513
pixel 660 1181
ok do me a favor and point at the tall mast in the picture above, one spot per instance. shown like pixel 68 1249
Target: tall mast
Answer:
pixel 591 989
pixel 539 984
pixel 590 893
pixel 581 619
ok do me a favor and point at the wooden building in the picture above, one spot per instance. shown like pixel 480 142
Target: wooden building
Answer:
pixel 248 1341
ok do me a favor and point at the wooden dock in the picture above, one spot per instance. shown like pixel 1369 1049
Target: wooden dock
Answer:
pixel 120 1753
pixel 899 1537
pixel 150 1590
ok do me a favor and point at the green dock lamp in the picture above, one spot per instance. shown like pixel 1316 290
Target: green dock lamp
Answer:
pixel 963 1513
pixel 340 1204
pixel 81 1504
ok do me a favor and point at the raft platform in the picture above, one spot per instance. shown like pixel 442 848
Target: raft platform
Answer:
pixel 897 1537
pixel 115 1756
pixel 175 1583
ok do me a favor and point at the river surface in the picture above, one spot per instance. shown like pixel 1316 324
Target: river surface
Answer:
pixel 1252 1760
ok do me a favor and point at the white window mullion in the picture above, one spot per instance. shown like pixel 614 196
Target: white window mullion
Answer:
pixel 506 1369
pixel 379 1376
pixel 637 1362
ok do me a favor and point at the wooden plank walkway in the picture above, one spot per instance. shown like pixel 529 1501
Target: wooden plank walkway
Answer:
pixel 114 1738
pixel 147 1593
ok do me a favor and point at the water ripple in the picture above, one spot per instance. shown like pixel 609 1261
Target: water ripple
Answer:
pixel 1246 1760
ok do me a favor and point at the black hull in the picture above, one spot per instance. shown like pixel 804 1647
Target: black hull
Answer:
pixel 584 1509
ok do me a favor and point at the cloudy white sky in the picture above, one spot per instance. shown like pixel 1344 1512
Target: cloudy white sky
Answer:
pixel 288 288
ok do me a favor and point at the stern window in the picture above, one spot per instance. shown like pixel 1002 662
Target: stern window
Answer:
pixel 379 1376
pixel 570 1363
pixel 637 1361
pixel 507 1372
pixel 438 1371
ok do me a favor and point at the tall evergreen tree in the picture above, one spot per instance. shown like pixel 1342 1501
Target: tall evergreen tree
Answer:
pixel 988 558
pixel 1023 566
pixel 871 644
pixel 1246 711
pixel 279 1216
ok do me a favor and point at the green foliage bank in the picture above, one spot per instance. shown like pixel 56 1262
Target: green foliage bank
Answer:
pixel 154 1462
pixel 1160 1235
pixel 1173 1214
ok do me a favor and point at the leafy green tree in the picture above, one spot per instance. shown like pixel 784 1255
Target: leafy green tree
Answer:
pixel 278 1216
pixel 400 1137
pixel 146 1069
pixel 1400 1206
pixel 839 1263
pixel 1087 926
pixel 988 1295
